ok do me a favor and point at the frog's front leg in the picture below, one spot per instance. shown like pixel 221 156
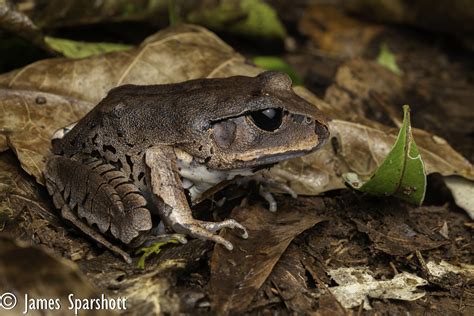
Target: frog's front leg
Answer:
pixel 170 200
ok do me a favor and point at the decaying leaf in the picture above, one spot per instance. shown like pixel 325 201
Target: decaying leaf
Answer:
pixel 463 193
pixel 27 213
pixel 397 238
pixel 236 276
pixel 441 269
pixel 289 280
pixel 401 174
pixel 29 118
pixel 17 22
pixel 19 191
pixel 62 277
pixel 356 285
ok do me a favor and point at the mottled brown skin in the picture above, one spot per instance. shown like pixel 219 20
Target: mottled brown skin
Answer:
pixel 120 161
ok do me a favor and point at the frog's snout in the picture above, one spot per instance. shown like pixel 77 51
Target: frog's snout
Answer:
pixel 322 132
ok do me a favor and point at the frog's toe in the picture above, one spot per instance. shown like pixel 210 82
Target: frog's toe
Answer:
pixel 228 223
pixel 265 193
pixel 272 204
pixel 266 185
pixel 208 230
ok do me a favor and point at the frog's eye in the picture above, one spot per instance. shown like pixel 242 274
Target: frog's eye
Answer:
pixel 268 119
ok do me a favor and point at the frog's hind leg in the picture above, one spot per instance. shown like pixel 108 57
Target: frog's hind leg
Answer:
pixel 69 215
pixel 91 192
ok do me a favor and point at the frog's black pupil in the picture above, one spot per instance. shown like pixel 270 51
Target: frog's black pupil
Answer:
pixel 268 119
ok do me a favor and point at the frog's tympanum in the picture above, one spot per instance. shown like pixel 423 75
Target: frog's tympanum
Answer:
pixel 143 148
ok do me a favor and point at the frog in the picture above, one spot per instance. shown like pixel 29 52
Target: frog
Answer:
pixel 130 169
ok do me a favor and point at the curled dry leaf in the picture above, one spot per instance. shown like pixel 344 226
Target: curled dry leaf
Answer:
pixel 30 118
pixel 17 22
pixel 289 279
pixel 357 284
pixel 61 276
pixel 463 193
pixel 27 213
pixel 236 276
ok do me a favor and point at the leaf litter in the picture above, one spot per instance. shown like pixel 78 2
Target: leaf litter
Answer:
pixel 357 284
pixel 190 280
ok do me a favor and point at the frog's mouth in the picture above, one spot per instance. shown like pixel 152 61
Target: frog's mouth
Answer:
pixel 266 161
pixel 275 158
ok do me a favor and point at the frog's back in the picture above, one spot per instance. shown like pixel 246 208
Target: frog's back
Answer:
pixel 116 123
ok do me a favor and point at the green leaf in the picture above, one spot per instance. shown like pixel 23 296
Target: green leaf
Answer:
pixel 75 49
pixel 387 59
pixel 250 18
pixel 276 63
pixel 153 249
pixel 401 174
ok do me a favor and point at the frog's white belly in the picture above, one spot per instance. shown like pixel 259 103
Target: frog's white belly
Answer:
pixel 198 178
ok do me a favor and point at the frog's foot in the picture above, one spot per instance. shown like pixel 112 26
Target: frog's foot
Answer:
pixel 208 230
pixel 265 184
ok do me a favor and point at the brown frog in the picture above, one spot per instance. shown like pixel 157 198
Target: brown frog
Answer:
pixel 142 148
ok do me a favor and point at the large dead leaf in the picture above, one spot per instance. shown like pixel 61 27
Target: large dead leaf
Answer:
pixel 27 213
pixel 289 279
pixel 397 240
pixel 53 277
pixel 356 285
pixel 236 276
pixel 152 291
pixel 29 118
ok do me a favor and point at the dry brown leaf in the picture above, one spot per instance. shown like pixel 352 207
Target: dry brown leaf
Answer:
pixel 29 118
pixel 27 213
pixel 289 279
pixel 398 240
pixel 61 277
pixel 19 191
pixel 236 276
pixel 336 33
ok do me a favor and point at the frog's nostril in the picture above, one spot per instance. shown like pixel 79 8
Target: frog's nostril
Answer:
pixel 297 118
pixel 321 131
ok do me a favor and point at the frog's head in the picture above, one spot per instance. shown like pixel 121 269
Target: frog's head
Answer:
pixel 261 121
